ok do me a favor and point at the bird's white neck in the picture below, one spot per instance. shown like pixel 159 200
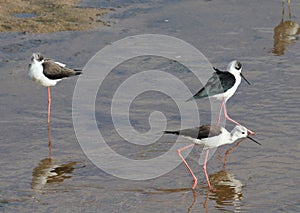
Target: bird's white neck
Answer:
pixel 226 137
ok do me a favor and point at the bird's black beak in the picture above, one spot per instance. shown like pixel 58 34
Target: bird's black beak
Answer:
pixel 253 140
pixel 245 79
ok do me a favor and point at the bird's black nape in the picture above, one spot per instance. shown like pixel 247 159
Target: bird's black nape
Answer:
pixel 217 70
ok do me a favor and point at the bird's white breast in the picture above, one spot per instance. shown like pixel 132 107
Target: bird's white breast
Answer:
pixel 35 71
pixel 37 75
pixel 215 141
pixel 226 95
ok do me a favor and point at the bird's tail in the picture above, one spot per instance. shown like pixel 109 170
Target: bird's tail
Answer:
pixel 191 98
pixel 171 132
pixel 200 94
pixel 78 71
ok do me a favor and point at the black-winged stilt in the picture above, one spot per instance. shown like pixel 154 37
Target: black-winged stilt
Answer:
pixel 211 136
pixel 222 85
pixel 47 72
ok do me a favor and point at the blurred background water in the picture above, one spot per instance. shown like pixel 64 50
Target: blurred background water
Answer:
pixel 256 179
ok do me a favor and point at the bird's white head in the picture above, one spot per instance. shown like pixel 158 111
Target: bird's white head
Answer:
pixel 235 68
pixel 37 58
pixel 240 132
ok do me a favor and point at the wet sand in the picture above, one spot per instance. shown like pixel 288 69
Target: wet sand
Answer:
pixel 256 179
pixel 48 16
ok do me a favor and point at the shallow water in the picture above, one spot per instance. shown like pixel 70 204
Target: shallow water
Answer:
pixel 255 179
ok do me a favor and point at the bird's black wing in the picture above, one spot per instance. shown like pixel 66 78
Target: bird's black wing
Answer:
pixel 54 71
pixel 227 80
pixel 201 132
pixel 219 82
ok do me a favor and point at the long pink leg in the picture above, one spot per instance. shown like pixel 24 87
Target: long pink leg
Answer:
pixel 49 142
pixel 233 121
pixel 186 164
pixel 49 104
pixel 228 152
pixel 222 105
pixel 227 117
pixel 204 168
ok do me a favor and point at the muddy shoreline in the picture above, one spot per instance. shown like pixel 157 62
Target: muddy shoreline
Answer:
pixel 255 179
pixel 48 16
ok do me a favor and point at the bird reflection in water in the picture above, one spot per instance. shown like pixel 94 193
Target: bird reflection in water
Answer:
pixel 49 172
pixel 285 33
pixel 227 193
pixel 228 190
pixel 228 151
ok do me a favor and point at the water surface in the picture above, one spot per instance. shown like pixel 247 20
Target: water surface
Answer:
pixel 255 179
